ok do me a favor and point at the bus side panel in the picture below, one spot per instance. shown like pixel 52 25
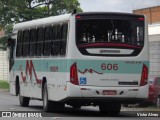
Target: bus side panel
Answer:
pixel 57 80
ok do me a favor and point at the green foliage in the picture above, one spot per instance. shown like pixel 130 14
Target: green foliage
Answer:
pixel 15 11
pixel 4 84
pixel 3 43
pixel 3 40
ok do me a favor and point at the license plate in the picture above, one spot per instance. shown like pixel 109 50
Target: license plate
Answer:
pixel 109 92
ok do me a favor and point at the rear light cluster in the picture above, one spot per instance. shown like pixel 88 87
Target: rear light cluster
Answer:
pixel 144 76
pixel 74 74
pixel 141 19
pixel 78 17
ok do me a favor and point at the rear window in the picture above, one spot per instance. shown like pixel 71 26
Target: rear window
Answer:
pixel 110 32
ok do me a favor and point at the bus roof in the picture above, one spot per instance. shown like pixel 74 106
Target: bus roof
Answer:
pixel 109 13
pixel 41 22
pixel 54 19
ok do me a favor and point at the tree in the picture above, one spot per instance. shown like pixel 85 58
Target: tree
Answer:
pixel 14 11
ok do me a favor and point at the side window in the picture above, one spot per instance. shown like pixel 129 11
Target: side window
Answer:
pixel 64 31
pixel 19 44
pixel 26 37
pixel 32 46
pixel 40 39
pixel 47 41
pixel 59 39
pixel 55 48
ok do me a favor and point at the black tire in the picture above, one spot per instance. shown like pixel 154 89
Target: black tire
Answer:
pixel 48 105
pixel 76 106
pixel 58 106
pixel 125 105
pixel 110 108
pixel 24 101
pixel 17 88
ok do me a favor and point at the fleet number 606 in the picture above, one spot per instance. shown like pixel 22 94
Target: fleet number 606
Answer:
pixel 109 66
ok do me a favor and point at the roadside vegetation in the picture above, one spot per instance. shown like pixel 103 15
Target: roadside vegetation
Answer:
pixel 137 107
pixel 4 84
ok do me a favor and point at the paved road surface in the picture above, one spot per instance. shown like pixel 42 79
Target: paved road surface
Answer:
pixel 11 103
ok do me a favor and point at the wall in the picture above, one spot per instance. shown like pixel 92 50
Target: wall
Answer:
pixel 154 46
pixel 154 58
pixel 4 71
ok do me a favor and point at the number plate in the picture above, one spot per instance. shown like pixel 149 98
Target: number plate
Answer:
pixel 109 92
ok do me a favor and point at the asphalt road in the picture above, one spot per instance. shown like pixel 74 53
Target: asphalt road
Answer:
pixel 11 103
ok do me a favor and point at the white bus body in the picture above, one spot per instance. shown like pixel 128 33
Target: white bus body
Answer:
pixel 88 58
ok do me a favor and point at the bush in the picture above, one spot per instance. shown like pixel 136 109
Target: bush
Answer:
pixel 4 84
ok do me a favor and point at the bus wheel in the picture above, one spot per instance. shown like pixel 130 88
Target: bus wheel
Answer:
pixel 58 106
pixel 47 105
pixel 24 101
pixel 51 105
pixel 76 106
pixel 125 105
pixel 17 87
pixel 110 108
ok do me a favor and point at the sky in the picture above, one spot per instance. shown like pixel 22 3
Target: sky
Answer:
pixel 116 5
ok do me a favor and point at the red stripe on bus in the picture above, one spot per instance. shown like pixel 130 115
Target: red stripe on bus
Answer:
pixel 29 68
pixel 110 45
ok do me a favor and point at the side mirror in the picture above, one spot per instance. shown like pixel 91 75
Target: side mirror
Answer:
pixel 10 42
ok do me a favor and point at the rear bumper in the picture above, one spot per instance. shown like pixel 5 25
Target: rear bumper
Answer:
pixel 96 93
pixel 98 100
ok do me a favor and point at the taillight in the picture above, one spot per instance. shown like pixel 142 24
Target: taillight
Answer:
pixel 74 74
pixel 144 76
pixel 141 19
pixel 78 17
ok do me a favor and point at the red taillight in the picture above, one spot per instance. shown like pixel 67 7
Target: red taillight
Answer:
pixel 74 74
pixel 78 17
pixel 144 76
pixel 141 19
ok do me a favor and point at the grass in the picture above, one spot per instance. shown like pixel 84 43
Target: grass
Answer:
pixel 4 84
pixel 151 108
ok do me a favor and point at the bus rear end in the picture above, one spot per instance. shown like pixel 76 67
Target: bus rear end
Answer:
pixel 110 60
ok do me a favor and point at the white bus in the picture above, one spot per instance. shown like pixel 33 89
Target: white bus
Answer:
pixel 80 59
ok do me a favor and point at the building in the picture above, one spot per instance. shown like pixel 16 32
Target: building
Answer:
pixel 152 13
pixel 154 45
pixel 4 64
pixel 153 16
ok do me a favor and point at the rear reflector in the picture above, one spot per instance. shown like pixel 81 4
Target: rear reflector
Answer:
pixel 144 76
pixel 74 74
